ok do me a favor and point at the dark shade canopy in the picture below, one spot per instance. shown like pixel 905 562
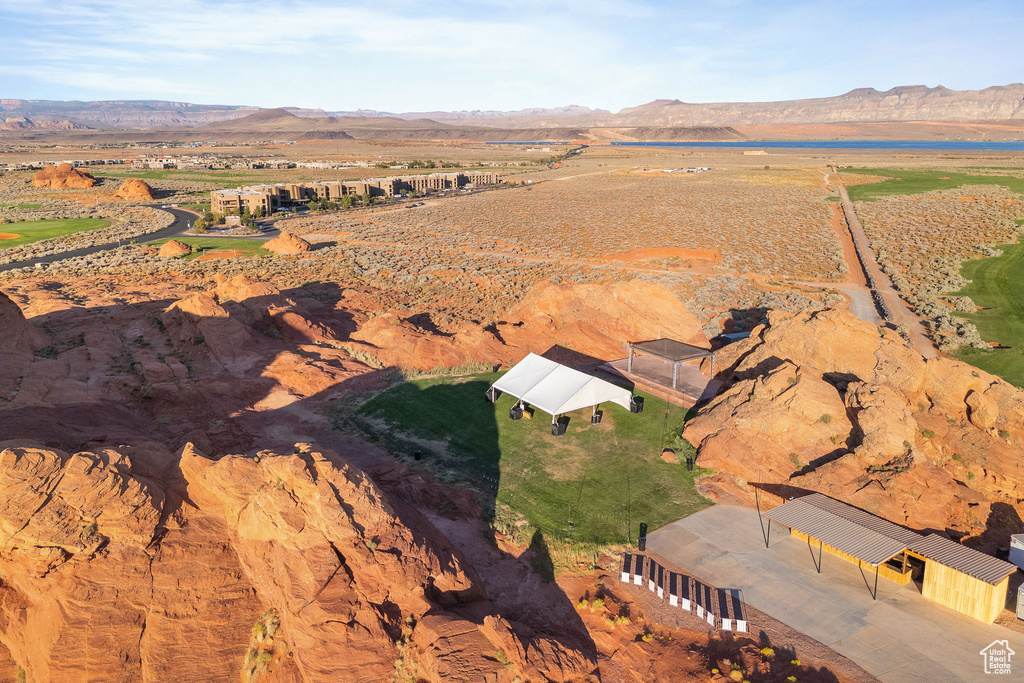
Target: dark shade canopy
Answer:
pixel 670 350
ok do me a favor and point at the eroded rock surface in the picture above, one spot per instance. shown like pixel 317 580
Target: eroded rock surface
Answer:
pixel 173 248
pixel 135 190
pixel 287 243
pixel 142 549
pixel 826 402
pixel 62 177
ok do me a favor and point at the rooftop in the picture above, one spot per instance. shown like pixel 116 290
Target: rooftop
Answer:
pixel 670 349
pixel 874 540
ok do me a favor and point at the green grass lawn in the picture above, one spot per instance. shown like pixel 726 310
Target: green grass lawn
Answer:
pixel 605 479
pixel 221 179
pixel 997 284
pixel 246 248
pixel 914 182
pixel 34 231
pixel 23 207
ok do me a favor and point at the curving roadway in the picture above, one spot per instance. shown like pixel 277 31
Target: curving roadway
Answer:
pixel 182 219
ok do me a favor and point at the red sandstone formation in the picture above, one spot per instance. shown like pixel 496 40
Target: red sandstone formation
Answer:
pixel 824 401
pixel 133 548
pixel 287 243
pixel 143 549
pixel 135 190
pixel 589 319
pixel 174 248
pixel 63 177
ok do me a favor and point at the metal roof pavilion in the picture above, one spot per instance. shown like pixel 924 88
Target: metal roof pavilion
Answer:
pixel 967 560
pixel 871 545
pixel 874 540
pixel 670 350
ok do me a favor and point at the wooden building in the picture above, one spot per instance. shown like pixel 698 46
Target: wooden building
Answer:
pixel 951 574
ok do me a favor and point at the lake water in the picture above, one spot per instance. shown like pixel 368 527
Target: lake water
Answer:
pixel 966 145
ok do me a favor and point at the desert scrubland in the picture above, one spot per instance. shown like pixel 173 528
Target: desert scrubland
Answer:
pixel 221 399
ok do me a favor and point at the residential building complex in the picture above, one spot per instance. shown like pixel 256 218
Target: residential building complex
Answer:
pixel 273 197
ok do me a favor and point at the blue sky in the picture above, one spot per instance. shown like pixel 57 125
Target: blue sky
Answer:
pixel 398 55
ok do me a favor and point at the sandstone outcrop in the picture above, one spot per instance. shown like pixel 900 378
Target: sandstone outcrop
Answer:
pixel 596 319
pixel 569 323
pixel 174 248
pixel 19 335
pixel 825 402
pixel 135 190
pixel 143 550
pixel 63 177
pixel 287 243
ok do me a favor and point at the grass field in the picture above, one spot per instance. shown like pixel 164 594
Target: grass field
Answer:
pixel 221 179
pixel 997 284
pixel 34 231
pixel 915 182
pixel 244 248
pixel 22 207
pixel 595 484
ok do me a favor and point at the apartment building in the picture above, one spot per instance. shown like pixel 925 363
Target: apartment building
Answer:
pixel 235 201
pixel 273 197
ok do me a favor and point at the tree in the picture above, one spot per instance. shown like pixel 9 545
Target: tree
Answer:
pixel 200 225
pixel 258 212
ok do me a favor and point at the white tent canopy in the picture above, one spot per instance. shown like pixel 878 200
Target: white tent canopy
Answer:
pixel 557 389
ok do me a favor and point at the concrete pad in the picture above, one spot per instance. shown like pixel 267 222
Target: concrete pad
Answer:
pixel 863 641
pixel 892 656
pixel 921 670
pixel 900 636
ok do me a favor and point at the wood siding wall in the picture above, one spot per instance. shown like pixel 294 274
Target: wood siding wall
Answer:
pixel 964 593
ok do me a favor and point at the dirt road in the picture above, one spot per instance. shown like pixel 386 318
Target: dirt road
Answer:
pixel 899 313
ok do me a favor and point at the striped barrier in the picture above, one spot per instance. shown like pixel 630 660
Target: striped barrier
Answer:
pixel 717 606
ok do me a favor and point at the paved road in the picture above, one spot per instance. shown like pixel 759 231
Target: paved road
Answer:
pixel 901 637
pixel 182 220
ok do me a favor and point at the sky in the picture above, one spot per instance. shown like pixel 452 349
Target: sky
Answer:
pixel 402 56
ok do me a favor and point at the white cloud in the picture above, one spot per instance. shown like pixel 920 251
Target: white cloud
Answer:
pixel 402 55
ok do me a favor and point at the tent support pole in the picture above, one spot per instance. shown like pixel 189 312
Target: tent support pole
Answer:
pixel 875 595
pixel 820 544
pixel 712 365
pixel 675 373
pixel 629 363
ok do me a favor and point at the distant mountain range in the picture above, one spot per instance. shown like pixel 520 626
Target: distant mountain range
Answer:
pixel 901 104
pixel 22 123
